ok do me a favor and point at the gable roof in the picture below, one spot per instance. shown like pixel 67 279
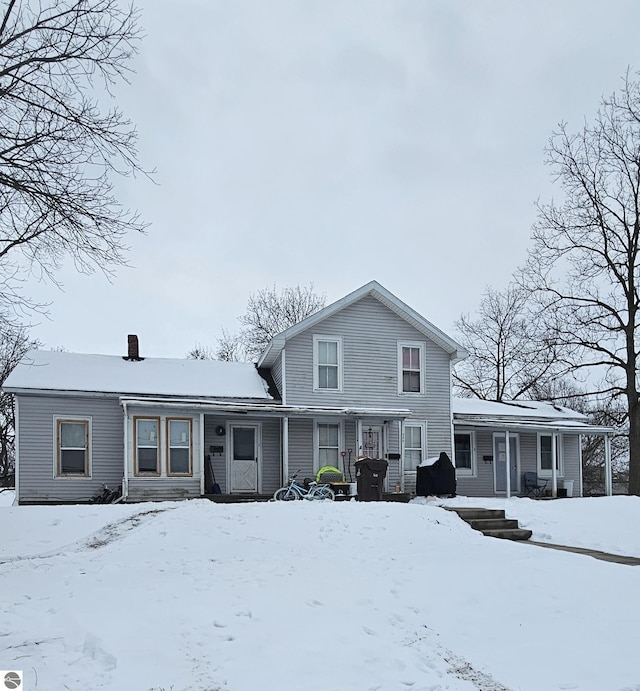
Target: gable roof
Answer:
pixel 374 289
pixel 42 370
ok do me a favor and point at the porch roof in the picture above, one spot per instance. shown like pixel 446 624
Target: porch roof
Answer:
pixel 523 415
pixel 265 409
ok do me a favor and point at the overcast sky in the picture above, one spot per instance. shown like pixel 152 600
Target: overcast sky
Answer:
pixel 336 142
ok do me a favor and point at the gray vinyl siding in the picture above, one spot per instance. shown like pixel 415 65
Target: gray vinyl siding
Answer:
pixel 271 449
pixel 276 373
pixel 572 461
pixel 271 455
pixel 219 461
pixel 370 334
pixel 301 447
pixel 483 485
pixel 37 460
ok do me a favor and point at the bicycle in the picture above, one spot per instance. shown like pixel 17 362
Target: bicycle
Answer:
pixel 314 492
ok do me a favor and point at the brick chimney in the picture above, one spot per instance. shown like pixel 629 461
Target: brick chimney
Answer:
pixel 133 349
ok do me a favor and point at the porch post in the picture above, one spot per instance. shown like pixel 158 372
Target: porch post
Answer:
pixel 202 454
pixel 125 436
pixel 285 450
pixel 508 462
pixel 554 463
pixel 608 480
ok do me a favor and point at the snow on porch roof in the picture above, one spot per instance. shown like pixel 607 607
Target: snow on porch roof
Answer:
pixel 523 415
pixel 73 372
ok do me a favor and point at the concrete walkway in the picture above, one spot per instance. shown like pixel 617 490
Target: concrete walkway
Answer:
pixel 604 556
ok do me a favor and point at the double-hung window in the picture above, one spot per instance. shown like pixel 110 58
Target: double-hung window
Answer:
pixel 328 444
pixel 147 461
pixel 73 447
pixel 415 437
pixel 545 454
pixel 327 363
pixel 410 367
pixel 464 453
pixel 179 446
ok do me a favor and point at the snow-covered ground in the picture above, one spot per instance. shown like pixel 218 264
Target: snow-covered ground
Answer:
pixel 317 597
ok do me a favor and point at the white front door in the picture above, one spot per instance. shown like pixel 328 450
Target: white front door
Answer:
pixel 244 471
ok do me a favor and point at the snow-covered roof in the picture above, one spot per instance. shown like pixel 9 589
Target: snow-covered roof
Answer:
pixel 373 288
pixel 530 409
pixel 539 415
pixel 73 372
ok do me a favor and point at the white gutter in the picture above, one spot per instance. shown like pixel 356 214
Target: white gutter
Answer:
pixel 125 477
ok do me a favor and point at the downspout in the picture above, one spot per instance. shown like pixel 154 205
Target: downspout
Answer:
pixel 201 454
pixel 125 477
pixel 16 452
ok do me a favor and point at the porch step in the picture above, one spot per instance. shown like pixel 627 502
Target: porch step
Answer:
pixel 484 524
pixel 492 523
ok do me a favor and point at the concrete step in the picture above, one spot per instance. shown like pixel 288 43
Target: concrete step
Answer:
pixel 473 513
pixel 491 522
pixel 509 533
pixel 483 524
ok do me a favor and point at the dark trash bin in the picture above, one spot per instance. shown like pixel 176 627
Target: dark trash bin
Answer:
pixel 370 475
pixel 437 479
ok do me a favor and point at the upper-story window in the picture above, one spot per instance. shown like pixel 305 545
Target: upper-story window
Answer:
pixel 327 363
pixel 410 367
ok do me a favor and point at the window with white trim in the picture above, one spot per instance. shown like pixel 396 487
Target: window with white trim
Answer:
pixel 147 451
pixel 327 363
pixel 545 454
pixel 179 446
pixel 73 447
pixel 464 447
pixel 328 444
pixel 410 368
pixel 415 444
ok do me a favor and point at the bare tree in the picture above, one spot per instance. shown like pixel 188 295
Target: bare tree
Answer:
pixel 269 312
pixel 584 263
pixel 14 343
pixel 201 352
pixel 231 347
pixel 59 148
pixel 508 354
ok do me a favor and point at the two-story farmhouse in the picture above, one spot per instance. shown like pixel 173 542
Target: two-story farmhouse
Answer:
pixel 365 376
